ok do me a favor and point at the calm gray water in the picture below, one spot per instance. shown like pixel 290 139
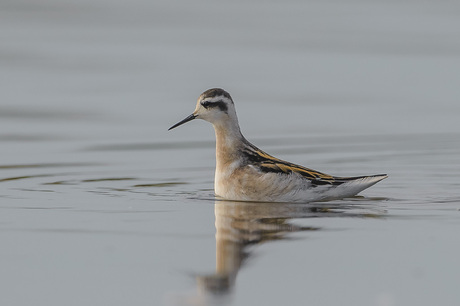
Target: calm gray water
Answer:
pixel 101 205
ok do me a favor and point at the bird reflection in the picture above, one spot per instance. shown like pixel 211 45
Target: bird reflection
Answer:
pixel 242 224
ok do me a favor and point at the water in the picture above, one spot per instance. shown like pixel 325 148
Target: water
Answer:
pixel 100 205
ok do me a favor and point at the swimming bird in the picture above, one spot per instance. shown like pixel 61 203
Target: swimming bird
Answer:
pixel 246 173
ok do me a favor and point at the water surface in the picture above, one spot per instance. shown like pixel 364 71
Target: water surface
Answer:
pixel 101 205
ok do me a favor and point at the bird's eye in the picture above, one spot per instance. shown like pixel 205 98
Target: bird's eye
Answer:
pixel 206 104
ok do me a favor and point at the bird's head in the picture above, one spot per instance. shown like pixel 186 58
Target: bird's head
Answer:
pixel 215 106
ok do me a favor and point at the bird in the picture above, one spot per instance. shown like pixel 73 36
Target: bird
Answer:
pixel 246 173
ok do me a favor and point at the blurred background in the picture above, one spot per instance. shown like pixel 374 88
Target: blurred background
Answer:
pixel 144 63
pixel 88 90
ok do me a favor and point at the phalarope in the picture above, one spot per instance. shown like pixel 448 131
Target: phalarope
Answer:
pixel 246 173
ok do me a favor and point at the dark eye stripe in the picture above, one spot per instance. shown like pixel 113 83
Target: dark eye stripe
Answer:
pixel 220 104
pixel 206 104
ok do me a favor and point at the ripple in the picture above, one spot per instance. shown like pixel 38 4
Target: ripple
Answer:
pixel 40 114
pixel 16 178
pixel 166 184
pixel 35 190
pixel 46 165
pixel 26 138
pixel 152 146
pixel 65 182
pixel 108 179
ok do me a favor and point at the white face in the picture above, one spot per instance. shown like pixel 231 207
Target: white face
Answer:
pixel 214 109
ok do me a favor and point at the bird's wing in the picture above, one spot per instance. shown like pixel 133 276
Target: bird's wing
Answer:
pixel 268 163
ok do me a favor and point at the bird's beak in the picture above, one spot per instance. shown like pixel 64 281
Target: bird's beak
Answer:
pixel 189 118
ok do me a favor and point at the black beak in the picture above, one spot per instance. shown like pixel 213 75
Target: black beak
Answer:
pixel 189 118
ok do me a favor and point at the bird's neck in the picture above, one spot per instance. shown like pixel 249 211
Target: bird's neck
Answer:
pixel 228 142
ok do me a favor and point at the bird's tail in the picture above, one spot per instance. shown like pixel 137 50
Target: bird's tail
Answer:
pixel 355 185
